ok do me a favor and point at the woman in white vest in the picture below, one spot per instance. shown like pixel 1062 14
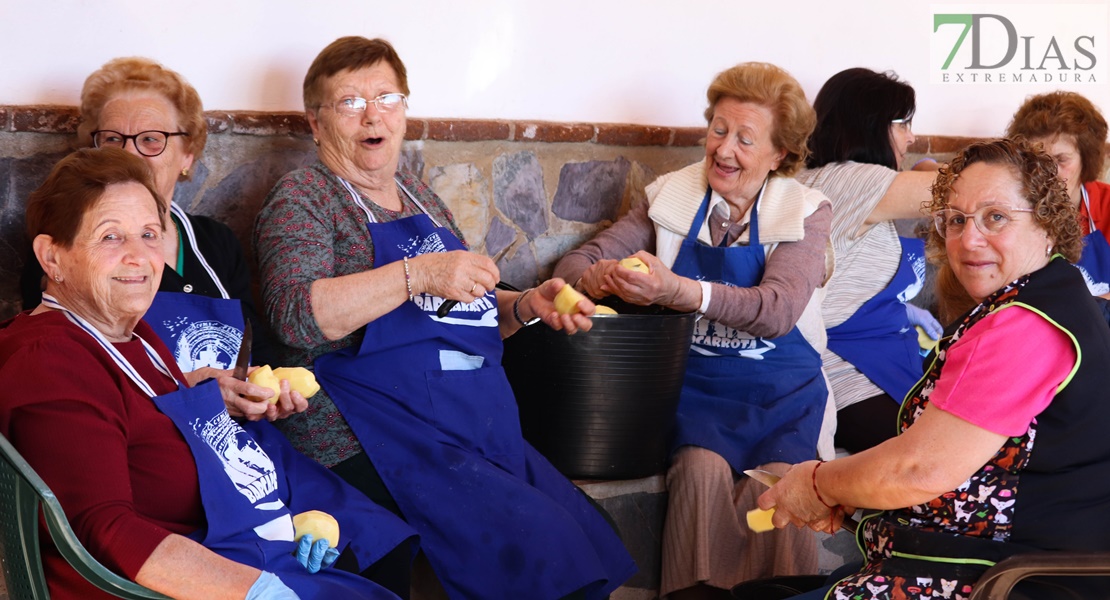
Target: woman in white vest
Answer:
pixel 736 239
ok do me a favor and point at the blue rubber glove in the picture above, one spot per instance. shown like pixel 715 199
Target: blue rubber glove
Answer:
pixel 315 556
pixel 922 317
pixel 269 587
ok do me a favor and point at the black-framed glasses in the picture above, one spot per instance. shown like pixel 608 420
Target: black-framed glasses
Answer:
pixel 353 106
pixel 989 220
pixel 148 143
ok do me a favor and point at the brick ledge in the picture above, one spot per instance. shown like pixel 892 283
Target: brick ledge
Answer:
pixel 56 119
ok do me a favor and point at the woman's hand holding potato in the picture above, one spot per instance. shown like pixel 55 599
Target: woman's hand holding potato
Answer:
pixel 248 400
pixel 660 286
pixel 540 302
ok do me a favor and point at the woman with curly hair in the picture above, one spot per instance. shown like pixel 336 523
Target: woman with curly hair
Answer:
pixel 1002 450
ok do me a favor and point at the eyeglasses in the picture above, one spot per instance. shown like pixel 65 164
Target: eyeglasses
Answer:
pixel 906 124
pixel 353 106
pixel 990 220
pixel 148 143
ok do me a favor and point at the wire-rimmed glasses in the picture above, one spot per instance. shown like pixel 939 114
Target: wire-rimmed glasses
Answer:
pixel 148 143
pixel 989 220
pixel 353 106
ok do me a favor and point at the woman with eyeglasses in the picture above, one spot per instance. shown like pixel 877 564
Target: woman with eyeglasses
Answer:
pixel 356 258
pixel 205 296
pixel 1002 446
pixel 857 156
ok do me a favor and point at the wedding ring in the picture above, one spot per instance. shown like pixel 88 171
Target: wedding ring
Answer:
pixel 473 287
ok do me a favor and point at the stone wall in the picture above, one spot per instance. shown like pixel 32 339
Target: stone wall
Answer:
pixel 524 191
pixel 527 191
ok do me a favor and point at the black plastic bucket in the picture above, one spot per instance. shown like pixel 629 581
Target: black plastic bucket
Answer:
pixel 601 404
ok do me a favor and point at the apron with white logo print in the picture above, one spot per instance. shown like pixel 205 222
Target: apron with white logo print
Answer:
pixel 245 488
pixel 749 399
pixel 434 412
pixel 878 339
pixel 201 331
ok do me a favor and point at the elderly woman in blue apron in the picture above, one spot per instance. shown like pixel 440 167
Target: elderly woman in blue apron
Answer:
pixel 205 293
pixel 1073 131
pixel 357 258
pixel 1002 447
pixel 161 485
pixel 857 153
pixel 735 238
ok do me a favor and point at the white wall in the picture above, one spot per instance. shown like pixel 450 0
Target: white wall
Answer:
pixel 626 61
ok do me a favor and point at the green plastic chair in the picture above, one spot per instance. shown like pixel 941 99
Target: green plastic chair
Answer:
pixel 21 494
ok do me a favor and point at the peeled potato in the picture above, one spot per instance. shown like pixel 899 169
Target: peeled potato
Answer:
pixel 566 301
pixel 264 376
pixel 319 524
pixel 923 339
pixel 635 264
pixel 300 380
pixel 759 520
pixel 604 310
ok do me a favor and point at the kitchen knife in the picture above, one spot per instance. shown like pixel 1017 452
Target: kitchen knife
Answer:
pixel 243 360
pixel 769 479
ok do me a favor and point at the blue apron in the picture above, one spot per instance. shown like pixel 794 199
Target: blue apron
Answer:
pixel 432 408
pixel 878 339
pixel 1094 263
pixel 245 479
pixel 749 399
pixel 199 330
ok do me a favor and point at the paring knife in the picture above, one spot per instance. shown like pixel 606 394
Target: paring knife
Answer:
pixel 243 360
pixel 769 479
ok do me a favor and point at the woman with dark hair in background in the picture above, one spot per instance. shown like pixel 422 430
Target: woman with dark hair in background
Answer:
pixel 857 153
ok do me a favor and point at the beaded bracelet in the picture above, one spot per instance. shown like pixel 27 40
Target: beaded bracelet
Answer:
pixel 516 309
pixel 827 505
pixel 408 280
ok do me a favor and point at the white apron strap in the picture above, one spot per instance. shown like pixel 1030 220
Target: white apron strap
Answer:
pixel 357 198
pixel 115 354
pixel 191 235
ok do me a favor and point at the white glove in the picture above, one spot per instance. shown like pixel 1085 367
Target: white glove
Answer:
pixel 269 587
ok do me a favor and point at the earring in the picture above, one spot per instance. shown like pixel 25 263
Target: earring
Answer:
pixel 185 172
pixel 58 278
pixel 1048 251
pixel 316 141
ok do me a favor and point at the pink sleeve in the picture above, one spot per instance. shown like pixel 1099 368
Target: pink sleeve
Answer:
pixel 1004 371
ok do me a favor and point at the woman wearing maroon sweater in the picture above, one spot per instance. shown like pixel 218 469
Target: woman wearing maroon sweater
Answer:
pixel 159 483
